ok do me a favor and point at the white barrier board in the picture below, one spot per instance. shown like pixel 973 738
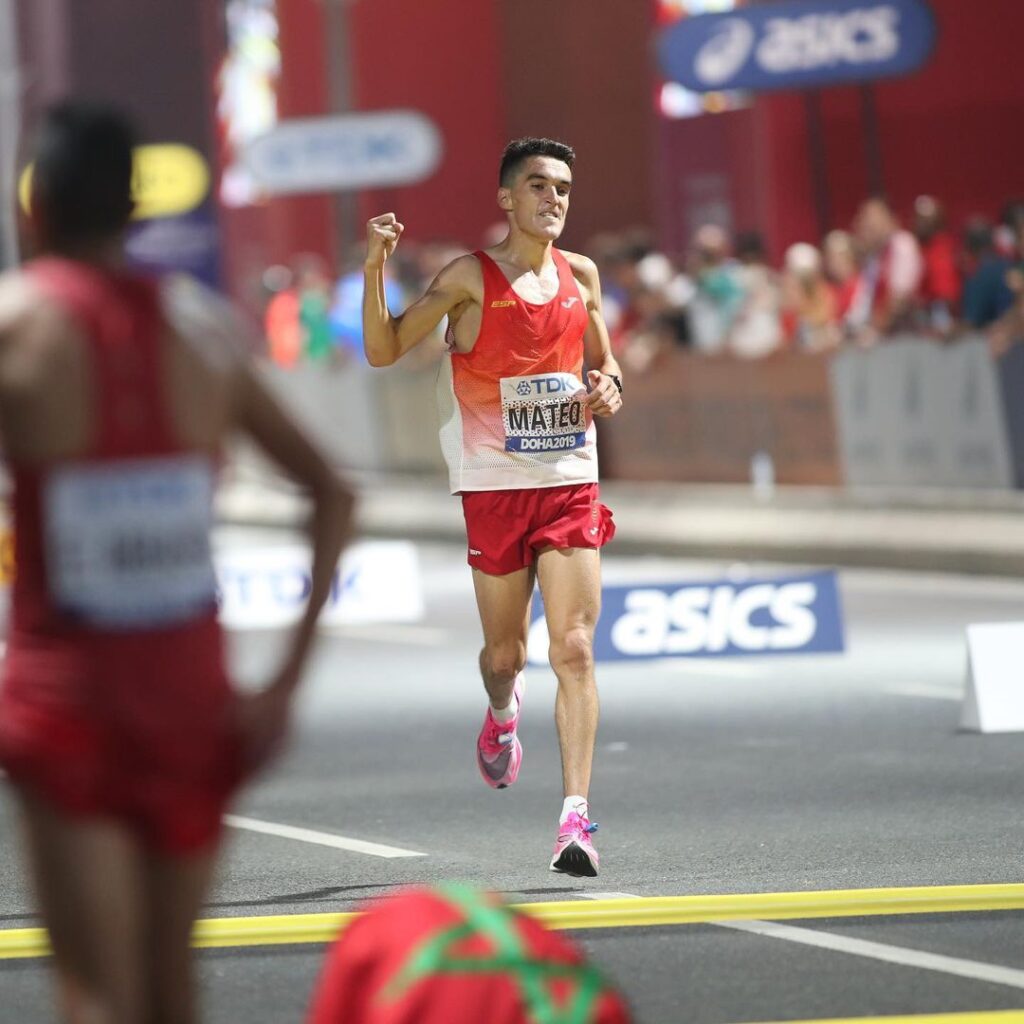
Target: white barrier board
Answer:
pixel 266 588
pixel 994 695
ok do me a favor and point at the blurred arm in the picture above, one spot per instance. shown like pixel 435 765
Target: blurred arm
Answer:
pixel 262 418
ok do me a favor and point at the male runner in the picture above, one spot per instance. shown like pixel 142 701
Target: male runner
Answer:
pixel 519 439
pixel 119 727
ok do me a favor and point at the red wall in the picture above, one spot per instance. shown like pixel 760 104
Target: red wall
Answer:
pixel 580 70
pixel 441 59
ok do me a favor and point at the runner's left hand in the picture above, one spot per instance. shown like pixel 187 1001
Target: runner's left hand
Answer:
pixel 604 398
pixel 261 721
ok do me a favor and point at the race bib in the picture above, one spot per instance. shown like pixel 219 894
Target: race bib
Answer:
pixel 128 544
pixel 543 413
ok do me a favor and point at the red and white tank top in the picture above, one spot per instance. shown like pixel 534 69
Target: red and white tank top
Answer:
pixel 118 537
pixel 512 412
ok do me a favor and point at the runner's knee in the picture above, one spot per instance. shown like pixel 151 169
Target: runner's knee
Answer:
pixel 503 661
pixel 572 654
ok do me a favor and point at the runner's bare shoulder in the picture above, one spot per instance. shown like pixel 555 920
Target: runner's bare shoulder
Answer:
pixel 33 332
pixel 207 322
pixel 583 267
pixel 464 277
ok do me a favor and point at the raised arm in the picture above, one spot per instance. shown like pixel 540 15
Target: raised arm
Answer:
pixel 387 338
pixel 605 398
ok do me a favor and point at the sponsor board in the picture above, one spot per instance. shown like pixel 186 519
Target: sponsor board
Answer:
pixel 6 557
pixel 993 694
pixel 786 615
pixel 169 179
pixel 349 151
pixel 798 44
pixel 267 588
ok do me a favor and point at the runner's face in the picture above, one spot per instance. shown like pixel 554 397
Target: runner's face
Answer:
pixel 539 197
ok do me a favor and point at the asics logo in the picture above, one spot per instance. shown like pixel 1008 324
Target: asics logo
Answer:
pixel 725 52
pixel 569 303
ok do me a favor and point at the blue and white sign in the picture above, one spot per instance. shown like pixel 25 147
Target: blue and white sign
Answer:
pixel 790 615
pixel 798 44
pixel 351 151
pixel 267 588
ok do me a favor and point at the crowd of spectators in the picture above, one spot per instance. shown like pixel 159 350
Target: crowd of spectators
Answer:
pixel 877 280
pixel 724 296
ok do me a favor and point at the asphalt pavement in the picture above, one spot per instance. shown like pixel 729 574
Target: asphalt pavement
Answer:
pixel 744 775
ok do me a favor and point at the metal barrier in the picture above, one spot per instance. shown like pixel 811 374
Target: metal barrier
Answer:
pixel 910 412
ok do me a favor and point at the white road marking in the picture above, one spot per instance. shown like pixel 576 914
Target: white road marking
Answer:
pixel 926 691
pixel 419 636
pixel 706 667
pixel 307 835
pixel 991 973
pixel 606 896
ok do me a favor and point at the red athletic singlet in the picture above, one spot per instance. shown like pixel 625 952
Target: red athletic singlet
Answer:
pixel 114 700
pixel 512 414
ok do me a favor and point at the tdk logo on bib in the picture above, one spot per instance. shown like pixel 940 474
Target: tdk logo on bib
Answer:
pixel 798 44
pixel 543 412
pixel 545 385
pixel 794 615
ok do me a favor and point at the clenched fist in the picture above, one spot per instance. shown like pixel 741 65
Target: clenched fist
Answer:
pixel 382 235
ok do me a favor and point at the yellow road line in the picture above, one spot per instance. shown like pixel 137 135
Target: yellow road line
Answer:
pixel 982 1016
pixel 645 912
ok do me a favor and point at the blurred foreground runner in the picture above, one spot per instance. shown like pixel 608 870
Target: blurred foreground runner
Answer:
pixel 119 728
pixel 518 435
pixel 452 955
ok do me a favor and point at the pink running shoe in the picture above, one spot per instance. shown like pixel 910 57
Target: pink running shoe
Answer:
pixel 498 750
pixel 574 852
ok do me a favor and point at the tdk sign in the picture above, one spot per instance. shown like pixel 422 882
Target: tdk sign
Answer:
pixel 800 44
pixel 792 615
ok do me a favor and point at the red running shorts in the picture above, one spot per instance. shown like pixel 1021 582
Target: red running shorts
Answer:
pixel 137 732
pixel 506 529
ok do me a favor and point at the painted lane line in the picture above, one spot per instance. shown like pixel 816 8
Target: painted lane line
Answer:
pixel 417 636
pixel 621 912
pixel 970 1017
pixel 308 835
pixel 606 896
pixel 900 955
pixel 926 691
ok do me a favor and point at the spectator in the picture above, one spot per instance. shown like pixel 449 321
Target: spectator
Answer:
pixel 1008 234
pixel 719 290
pixel 346 314
pixel 757 329
pixel 889 276
pixel 986 292
pixel 841 270
pixel 939 291
pixel 281 318
pixel 452 955
pixel 314 306
pixel 809 302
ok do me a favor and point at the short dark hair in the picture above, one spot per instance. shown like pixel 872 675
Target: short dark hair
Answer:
pixel 518 151
pixel 82 176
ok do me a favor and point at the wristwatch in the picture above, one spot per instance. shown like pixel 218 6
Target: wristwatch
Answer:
pixel 618 383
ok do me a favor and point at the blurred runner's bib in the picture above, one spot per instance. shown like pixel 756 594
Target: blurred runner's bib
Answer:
pixel 127 543
pixel 543 412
